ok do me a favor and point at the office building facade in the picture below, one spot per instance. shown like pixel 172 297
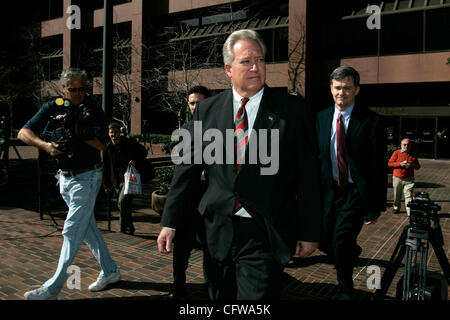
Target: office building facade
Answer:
pixel 401 49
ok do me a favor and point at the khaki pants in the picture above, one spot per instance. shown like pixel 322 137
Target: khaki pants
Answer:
pixel 402 185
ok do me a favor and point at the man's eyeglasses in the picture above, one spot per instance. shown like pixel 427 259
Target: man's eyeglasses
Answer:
pixel 80 89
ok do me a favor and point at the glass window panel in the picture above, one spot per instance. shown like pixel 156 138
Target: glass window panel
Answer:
pixel 437 35
pixel 357 39
pixel 401 33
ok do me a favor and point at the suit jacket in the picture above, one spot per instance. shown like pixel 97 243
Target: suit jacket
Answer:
pixel 286 204
pixel 365 143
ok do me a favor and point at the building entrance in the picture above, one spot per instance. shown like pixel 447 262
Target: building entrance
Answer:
pixel 422 132
pixel 443 138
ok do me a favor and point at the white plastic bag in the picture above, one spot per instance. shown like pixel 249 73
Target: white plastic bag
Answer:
pixel 132 179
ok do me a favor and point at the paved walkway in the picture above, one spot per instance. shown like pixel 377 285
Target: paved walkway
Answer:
pixel 29 247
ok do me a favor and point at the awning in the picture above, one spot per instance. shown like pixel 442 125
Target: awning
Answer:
pixel 226 28
pixel 118 44
pixel 397 6
pixel 58 53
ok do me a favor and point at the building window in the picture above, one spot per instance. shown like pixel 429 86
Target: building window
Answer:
pixel 54 9
pixel 277 44
pixel 122 48
pixel 92 51
pixel 224 17
pixel 401 33
pixel 91 5
pixel 437 36
pixel 357 39
pixel 52 56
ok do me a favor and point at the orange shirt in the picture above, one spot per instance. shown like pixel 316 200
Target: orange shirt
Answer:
pixel 398 157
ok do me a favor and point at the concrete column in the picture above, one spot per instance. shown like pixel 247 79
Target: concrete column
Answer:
pixel 136 66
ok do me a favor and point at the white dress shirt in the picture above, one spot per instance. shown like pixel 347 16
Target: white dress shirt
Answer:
pixel 251 108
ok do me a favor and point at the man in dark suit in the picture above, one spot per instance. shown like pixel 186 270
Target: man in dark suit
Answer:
pixel 354 182
pixel 191 230
pixel 257 213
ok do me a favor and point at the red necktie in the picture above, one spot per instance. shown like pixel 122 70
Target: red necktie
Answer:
pixel 240 133
pixel 240 138
pixel 340 146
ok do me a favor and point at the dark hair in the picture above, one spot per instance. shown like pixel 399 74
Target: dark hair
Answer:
pixel 344 72
pixel 199 89
pixel 114 125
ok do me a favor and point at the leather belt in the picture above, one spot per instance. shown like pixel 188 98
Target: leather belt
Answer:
pixel 73 173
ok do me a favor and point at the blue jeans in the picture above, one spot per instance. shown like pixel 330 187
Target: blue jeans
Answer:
pixel 80 193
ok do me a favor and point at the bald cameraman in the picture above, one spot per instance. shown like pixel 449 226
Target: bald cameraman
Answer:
pixel 79 175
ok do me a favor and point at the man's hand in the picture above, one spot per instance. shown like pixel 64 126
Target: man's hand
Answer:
pixel 405 164
pixel 305 249
pixel 31 139
pixel 164 241
pixel 52 149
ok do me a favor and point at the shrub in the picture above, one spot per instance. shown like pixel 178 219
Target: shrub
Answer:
pixel 151 138
pixel 164 176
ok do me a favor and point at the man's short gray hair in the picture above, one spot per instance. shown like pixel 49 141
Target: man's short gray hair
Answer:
pixel 73 74
pixel 244 34
pixel 404 139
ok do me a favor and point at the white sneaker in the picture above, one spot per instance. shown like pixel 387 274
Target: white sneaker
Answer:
pixel 103 281
pixel 41 293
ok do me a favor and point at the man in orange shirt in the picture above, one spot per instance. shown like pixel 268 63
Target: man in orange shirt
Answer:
pixel 404 164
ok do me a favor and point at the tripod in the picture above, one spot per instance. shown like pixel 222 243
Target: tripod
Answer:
pixel 45 170
pixel 414 243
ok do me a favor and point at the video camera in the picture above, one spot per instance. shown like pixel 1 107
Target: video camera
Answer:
pixel 72 124
pixel 422 209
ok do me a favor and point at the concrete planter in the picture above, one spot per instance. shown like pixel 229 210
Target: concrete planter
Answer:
pixel 156 148
pixel 158 202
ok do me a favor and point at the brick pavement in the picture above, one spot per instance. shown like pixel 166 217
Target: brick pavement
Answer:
pixel 29 247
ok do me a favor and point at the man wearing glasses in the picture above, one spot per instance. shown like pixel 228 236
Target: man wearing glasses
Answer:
pixel 79 176
pixel 404 164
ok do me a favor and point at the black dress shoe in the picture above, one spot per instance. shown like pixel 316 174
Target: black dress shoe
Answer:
pixel 170 297
pixel 174 297
pixel 358 251
pixel 128 230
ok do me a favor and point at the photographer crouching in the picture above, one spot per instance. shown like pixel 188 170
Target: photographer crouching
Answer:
pixel 74 130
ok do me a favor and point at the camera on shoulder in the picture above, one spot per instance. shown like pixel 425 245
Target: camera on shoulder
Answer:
pixel 69 125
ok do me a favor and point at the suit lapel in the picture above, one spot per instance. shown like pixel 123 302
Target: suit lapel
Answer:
pixel 224 116
pixel 266 117
pixel 224 121
pixel 326 131
pixel 353 126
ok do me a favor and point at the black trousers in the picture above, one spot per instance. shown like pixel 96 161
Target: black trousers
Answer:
pixel 341 228
pixel 249 272
pixel 186 239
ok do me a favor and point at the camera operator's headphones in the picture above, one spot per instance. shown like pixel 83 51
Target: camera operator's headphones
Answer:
pixel 63 102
